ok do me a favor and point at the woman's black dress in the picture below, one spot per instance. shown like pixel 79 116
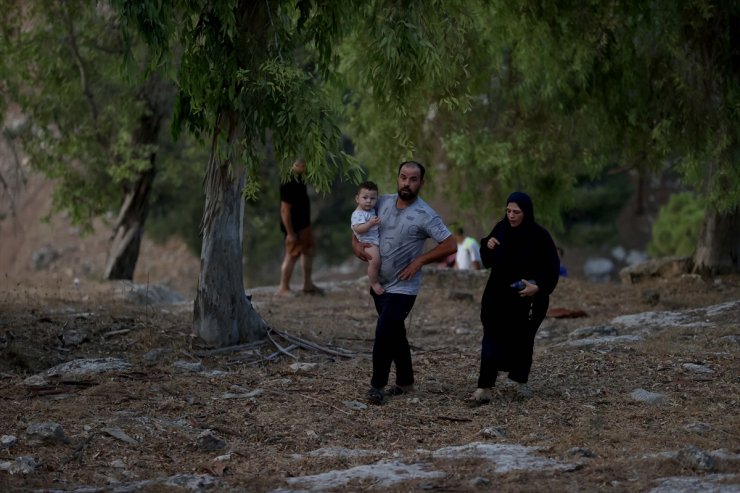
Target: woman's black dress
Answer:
pixel 510 322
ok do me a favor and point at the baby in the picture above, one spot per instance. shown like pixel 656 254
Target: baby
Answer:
pixel 365 226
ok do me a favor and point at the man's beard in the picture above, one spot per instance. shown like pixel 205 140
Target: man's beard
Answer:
pixel 407 193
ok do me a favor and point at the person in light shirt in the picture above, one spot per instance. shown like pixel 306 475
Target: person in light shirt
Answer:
pixel 468 251
pixel 406 222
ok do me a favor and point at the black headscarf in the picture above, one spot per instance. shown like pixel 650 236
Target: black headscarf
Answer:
pixel 525 204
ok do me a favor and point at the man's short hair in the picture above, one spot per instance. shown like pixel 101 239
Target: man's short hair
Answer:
pixel 422 169
pixel 367 185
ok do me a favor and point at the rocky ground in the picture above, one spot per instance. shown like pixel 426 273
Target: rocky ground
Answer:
pixel 102 390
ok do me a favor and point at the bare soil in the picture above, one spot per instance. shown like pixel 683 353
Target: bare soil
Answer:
pixel 581 404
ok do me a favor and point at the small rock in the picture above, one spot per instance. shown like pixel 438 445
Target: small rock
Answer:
pixel 23 465
pixel 35 381
pixel 312 435
pixel 74 337
pixel 231 395
pixel 7 441
pixel 119 434
pixel 731 339
pixel 156 354
pixel 636 257
pixel 598 269
pixel 661 267
pixel 696 458
pixel 357 406
pixel 597 330
pixel 651 297
pixel 148 294
pixel 619 253
pixel 188 366
pixel 46 433
pixel 480 482
pixel 493 432
pixel 298 366
pixel 696 368
pixel 88 366
pixel 581 452
pixel 698 427
pixel 207 441
pixel 643 395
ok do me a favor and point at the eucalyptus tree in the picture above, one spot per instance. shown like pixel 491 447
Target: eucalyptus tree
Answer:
pixel 566 90
pixel 247 69
pixel 89 125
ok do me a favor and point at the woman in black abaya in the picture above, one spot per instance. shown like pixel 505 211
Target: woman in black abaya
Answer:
pixel 525 267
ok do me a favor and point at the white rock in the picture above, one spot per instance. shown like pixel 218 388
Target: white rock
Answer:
pixel 643 395
pixel 298 366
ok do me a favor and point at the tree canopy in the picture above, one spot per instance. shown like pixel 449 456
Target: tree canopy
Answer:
pixel 61 63
pixel 496 95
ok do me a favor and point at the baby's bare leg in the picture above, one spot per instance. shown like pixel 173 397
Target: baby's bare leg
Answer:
pixel 373 268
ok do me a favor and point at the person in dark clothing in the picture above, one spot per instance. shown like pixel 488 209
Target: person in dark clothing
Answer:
pixel 525 268
pixel 295 223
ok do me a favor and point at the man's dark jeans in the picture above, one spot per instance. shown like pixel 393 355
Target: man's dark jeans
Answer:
pixel 391 345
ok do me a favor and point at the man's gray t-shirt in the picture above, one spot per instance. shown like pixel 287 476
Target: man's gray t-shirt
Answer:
pixel 402 236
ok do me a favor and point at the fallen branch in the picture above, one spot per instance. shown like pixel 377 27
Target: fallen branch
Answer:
pixel 116 333
pixel 344 353
pixel 452 418
pixel 280 348
pixel 277 353
pixel 229 349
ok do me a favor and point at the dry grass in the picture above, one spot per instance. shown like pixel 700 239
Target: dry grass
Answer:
pixel 582 395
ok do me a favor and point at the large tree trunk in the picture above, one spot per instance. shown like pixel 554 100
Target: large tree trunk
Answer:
pixel 719 243
pixel 223 314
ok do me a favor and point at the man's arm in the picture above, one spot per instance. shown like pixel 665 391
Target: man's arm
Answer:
pixel 443 249
pixel 358 248
pixel 287 221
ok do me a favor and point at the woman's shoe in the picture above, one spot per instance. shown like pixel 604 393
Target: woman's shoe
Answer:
pixel 481 396
pixel 524 390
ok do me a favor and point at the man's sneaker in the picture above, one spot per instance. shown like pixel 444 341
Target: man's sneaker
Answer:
pixel 524 390
pixel 399 390
pixel 375 396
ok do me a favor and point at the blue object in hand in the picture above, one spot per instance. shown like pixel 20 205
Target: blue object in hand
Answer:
pixel 519 285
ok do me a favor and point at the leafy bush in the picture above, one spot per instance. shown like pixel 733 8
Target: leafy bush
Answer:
pixel 676 230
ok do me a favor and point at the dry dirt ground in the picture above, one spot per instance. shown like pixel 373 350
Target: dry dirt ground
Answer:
pixel 278 426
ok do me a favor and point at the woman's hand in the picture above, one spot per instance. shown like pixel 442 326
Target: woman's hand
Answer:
pixel 492 242
pixel 529 289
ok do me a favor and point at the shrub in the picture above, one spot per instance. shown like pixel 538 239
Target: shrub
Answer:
pixel 676 230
